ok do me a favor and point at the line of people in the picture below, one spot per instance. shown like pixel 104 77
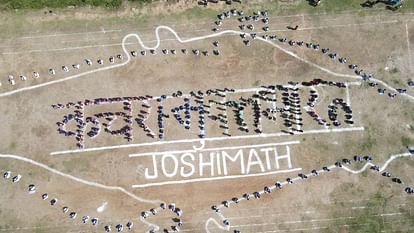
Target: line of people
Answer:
pixel 163 206
pixel 261 16
pixel 32 189
pixel 301 176
pixel 111 60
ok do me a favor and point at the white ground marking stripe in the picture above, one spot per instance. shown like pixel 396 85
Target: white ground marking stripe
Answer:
pixel 69 34
pixel 214 149
pixel 315 131
pixel 213 178
pixel 156 227
pixel 90 183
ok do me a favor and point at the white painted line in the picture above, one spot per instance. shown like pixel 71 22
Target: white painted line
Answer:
pixel 214 149
pixel 213 178
pixel 315 131
pixel 69 34
pixel 90 183
pixel 358 207
pixel 391 214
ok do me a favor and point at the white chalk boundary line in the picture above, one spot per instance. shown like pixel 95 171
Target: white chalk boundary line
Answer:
pixel 315 131
pixel 213 178
pixel 214 149
pixel 69 34
pixel 86 182
pixel 365 167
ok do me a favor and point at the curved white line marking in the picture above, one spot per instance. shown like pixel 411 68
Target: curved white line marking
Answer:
pixel 368 164
pixel 134 35
pixel 90 183
pixel 212 220
pixel 155 227
pixel 382 168
pixel 203 144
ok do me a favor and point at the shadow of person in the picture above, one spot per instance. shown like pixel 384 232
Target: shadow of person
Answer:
pixel 293 28
pixel 368 4
pixel 314 3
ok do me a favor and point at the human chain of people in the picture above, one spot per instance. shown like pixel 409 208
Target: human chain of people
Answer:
pixel 342 164
pixel 260 16
pixel 55 202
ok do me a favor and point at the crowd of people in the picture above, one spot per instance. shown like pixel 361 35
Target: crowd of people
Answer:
pixel 289 110
pixel 280 184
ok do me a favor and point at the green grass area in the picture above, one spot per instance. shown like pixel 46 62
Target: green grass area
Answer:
pixel 279 6
pixel 19 21
pixel 39 4
pixel 405 141
pixel 12 146
pixel 370 219
pixel 256 83
pixel 368 143
pixel 326 6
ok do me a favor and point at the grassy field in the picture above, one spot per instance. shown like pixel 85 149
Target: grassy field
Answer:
pixel 299 5
pixel 21 19
pixel 36 4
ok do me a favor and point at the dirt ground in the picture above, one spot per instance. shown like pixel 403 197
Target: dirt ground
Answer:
pixel 380 42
